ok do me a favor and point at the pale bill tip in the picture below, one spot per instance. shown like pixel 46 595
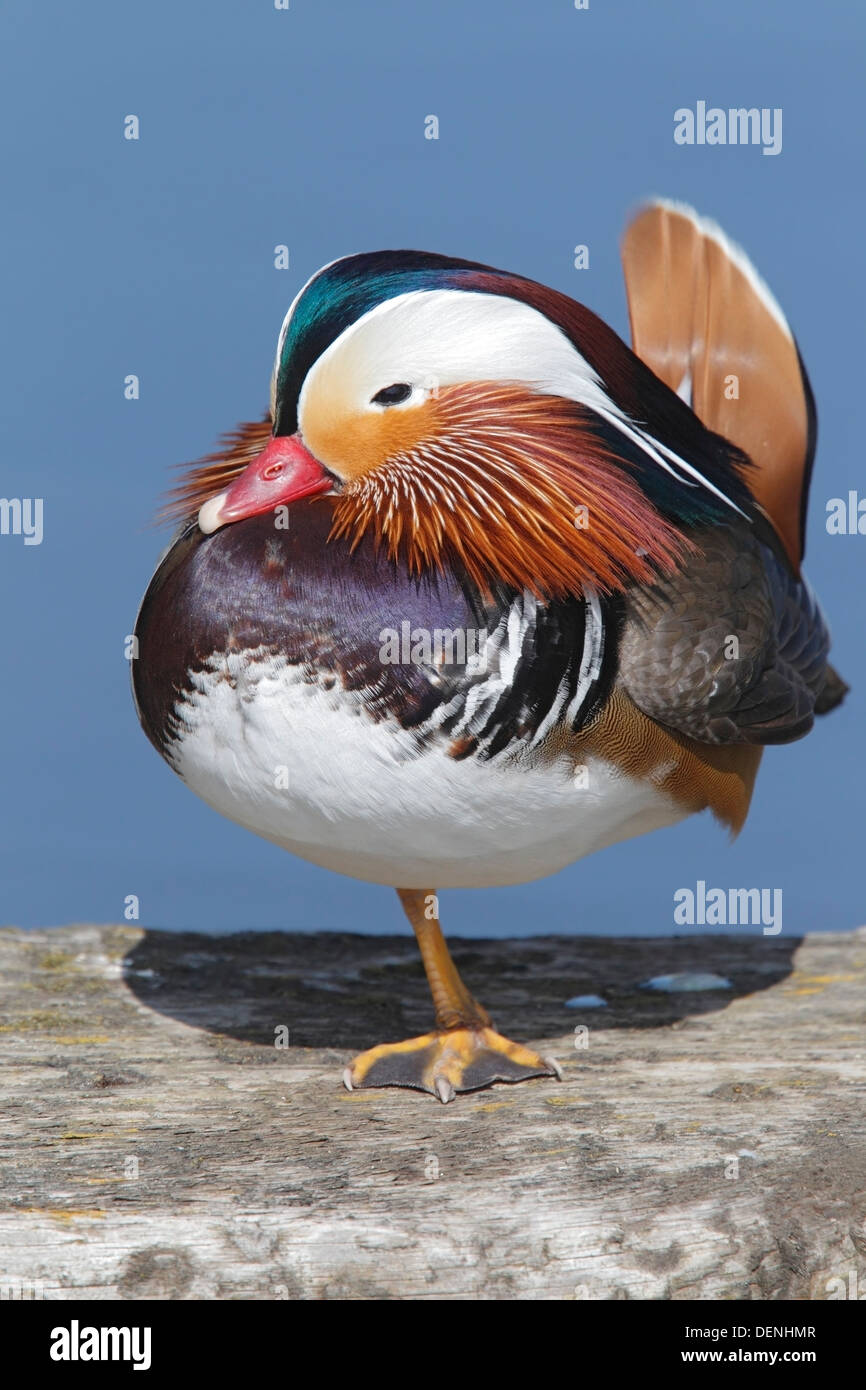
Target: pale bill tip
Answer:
pixel 209 516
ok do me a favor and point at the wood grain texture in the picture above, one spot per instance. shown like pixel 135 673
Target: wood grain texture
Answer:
pixel 258 1177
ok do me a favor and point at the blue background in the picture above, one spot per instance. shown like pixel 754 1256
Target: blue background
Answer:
pixel 306 127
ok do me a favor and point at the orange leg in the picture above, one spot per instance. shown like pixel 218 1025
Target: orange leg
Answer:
pixel 463 1053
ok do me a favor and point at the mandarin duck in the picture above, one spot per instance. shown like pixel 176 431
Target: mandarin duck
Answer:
pixel 487 590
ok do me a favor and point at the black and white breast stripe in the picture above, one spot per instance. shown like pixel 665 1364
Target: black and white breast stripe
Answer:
pixel 544 665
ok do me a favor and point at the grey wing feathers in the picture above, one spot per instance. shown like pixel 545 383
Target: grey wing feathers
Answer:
pixel 731 649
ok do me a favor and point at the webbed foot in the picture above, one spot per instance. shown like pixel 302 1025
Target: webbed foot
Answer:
pixel 448 1061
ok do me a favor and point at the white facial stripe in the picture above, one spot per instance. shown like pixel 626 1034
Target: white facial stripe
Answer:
pixel 437 338
pixel 448 337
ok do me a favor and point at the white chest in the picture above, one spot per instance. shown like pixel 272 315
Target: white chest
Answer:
pixel 310 770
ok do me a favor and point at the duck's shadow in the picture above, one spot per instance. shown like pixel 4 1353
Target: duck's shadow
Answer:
pixel 339 990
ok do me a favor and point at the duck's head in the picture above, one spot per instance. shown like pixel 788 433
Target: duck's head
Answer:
pixel 464 415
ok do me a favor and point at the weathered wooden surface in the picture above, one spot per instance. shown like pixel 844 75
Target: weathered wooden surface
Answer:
pixel 156 1143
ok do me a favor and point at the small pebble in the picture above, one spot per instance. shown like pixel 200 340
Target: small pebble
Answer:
pixel 586 1001
pixel 686 980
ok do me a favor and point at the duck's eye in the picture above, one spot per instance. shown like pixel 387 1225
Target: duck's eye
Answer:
pixel 393 395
